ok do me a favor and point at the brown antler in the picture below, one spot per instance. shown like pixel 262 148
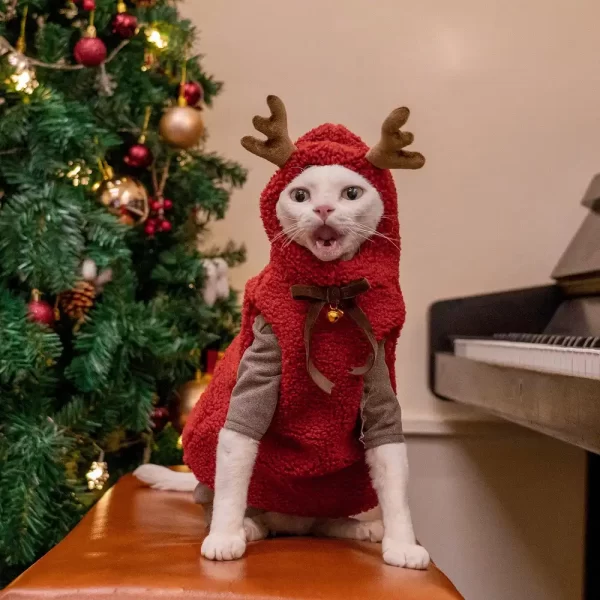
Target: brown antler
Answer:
pixel 278 146
pixel 388 153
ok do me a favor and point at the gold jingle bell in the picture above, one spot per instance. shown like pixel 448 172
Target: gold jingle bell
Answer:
pixel 124 197
pixel 334 314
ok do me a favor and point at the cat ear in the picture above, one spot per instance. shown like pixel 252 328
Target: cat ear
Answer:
pixel 278 146
pixel 388 153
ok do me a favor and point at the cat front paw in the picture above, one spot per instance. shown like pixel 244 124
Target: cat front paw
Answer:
pixel 410 556
pixel 220 546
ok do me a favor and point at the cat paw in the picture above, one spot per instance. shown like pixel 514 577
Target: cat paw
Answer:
pixel 368 531
pixel 410 556
pixel 255 530
pixel 350 529
pixel 219 546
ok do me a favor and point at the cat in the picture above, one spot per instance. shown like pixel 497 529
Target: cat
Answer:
pixel 332 211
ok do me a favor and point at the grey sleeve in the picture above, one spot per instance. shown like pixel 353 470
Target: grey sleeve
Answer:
pixel 256 392
pixel 380 410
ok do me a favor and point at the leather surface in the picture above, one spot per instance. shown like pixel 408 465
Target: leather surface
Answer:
pixel 143 543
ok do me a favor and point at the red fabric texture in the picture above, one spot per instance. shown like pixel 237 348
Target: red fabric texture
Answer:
pixel 310 462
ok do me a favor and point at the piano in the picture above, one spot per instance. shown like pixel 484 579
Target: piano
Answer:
pixel 532 356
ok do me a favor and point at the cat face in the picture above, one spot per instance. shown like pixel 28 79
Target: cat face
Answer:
pixel 330 210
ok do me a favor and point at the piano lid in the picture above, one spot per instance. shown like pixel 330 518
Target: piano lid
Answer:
pixel 578 269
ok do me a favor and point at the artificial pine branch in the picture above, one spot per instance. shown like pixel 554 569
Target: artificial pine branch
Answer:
pixel 73 389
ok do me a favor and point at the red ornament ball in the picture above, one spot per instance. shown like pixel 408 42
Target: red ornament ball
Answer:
pixel 156 205
pixel 88 5
pixel 150 228
pixel 124 25
pixel 139 156
pixel 40 312
pixel 90 51
pixel 165 226
pixel 193 93
pixel 167 204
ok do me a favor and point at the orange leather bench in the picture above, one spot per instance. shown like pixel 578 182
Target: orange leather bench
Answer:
pixel 142 543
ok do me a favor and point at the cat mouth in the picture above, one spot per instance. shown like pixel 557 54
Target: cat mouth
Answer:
pixel 326 237
pixel 326 242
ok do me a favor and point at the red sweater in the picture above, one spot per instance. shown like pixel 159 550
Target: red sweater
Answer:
pixel 310 462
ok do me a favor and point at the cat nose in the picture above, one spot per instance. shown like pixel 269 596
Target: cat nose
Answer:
pixel 324 210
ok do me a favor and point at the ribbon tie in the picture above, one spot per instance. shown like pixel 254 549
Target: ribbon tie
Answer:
pixel 337 297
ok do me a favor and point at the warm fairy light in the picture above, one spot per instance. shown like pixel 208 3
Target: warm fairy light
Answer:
pixel 156 38
pixel 74 172
pixel 78 172
pixel 97 476
pixel 180 442
pixel 24 82
pixel 23 79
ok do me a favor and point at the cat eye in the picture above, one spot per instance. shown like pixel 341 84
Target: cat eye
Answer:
pixel 300 195
pixel 352 193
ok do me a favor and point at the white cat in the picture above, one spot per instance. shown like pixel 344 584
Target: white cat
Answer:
pixel 331 211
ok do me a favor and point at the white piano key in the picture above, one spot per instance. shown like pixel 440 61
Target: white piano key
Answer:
pixel 566 359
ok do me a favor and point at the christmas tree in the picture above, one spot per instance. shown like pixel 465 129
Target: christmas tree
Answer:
pixel 108 301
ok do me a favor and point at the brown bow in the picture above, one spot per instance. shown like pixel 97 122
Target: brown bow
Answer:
pixel 336 297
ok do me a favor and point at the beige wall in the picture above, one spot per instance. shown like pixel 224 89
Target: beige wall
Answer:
pixel 505 105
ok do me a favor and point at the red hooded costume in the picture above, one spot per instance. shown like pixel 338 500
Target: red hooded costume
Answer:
pixel 311 461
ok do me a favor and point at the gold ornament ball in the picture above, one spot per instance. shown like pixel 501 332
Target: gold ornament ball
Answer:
pixel 184 398
pixel 181 126
pixel 125 197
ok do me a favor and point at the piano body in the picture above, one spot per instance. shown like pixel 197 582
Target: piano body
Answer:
pixel 532 356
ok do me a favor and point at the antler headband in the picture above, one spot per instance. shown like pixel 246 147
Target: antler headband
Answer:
pixel 388 153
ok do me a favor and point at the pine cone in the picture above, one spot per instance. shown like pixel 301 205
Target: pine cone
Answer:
pixel 76 303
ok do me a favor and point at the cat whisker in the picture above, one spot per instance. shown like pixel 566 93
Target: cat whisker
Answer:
pixel 293 237
pixel 290 240
pixel 372 232
pixel 287 232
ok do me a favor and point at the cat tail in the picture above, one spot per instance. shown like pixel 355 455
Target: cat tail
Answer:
pixel 161 478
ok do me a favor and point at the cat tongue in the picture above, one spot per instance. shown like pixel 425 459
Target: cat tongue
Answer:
pixel 326 233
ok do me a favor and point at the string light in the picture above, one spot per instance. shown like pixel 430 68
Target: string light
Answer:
pixel 23 79
pixel 78 173
pixel 156 38
pixel 98 475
